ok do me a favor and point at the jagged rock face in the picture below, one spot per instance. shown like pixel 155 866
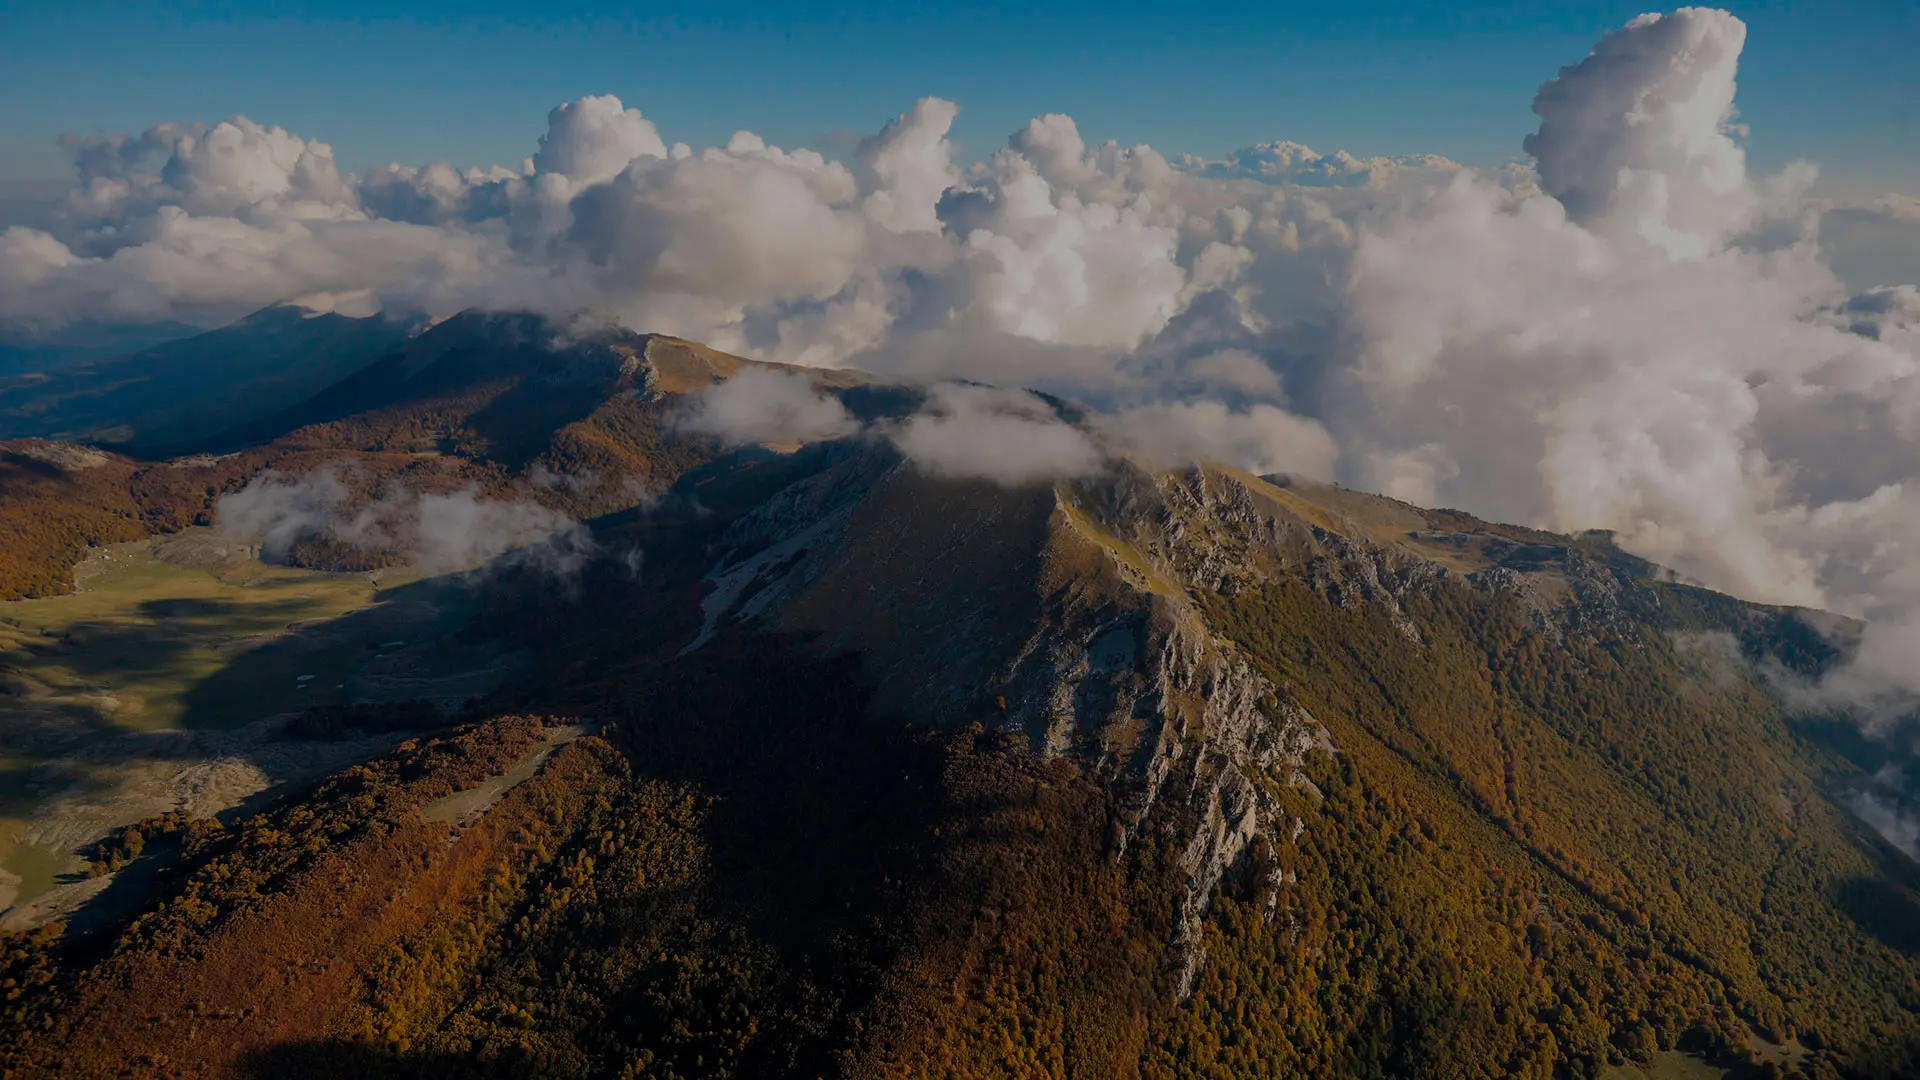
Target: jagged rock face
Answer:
pixel 1066 615
pixel 1217 767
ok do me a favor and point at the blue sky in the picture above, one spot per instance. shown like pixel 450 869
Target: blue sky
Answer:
pixel 471 82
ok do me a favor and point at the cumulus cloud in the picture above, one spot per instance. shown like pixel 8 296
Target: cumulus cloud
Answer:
pixel 593 140
pixel 1009 437
pixel 1608 355
pixel 767 405
pixel 1058 269
pixel 783 253
pixel 906 167
pixel 1637 137
pixel 1871 242
pixel 435 532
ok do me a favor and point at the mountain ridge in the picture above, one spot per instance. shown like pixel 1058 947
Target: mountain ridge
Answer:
pixel 1160 772
pixel 163 395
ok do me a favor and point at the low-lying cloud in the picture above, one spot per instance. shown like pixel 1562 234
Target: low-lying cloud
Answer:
pixel 1010 437
pixel 767 405
pixel 1883 803
pixel 960 431
pixel 1260 437
pixel 433 532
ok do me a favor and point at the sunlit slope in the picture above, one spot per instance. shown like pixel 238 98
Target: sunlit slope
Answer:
pixel 1566 819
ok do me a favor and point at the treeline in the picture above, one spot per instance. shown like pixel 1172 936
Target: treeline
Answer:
pixel 762 881
pixel 335 722
pixel 52 512
pixel 173 829
pixel 50 516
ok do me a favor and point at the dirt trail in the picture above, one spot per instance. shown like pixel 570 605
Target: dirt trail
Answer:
pixel 463 808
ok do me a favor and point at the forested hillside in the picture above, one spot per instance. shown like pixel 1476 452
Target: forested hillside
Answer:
pixel 868 772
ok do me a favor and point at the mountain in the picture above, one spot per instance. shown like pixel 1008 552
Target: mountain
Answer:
pixel 829 764
pixel 479 400
pixel 173 392
pixel 23 352
pixel 511 378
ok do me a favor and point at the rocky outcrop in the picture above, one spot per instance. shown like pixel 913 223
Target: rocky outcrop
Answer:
pixel 1191 735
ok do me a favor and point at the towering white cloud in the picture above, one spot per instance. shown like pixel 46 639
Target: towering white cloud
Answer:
pixel 715 233
pixel 240 165
pixel 1062 270
pixel 1636 137
pixel 905 169
pixel 1054 146
pixel 1649 347
pixel 593 140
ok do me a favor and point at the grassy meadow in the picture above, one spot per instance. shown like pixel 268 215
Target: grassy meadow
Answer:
pixel 152 623
pixel 182 633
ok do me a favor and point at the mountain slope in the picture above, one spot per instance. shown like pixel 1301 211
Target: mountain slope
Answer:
pixel 1159 774
pixel 588 409
pixel 1539 704
pixel 484 401
pixel 175 392
pixel 23 352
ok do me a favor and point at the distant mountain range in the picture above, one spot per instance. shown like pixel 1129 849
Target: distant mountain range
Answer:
pixel 829 764
pixel 24 352
pixel 159 388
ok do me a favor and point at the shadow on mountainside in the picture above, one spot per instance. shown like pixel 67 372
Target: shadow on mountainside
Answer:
pixel 1887 909
pixel 843 858
pixel 70 763
pixel 260 677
